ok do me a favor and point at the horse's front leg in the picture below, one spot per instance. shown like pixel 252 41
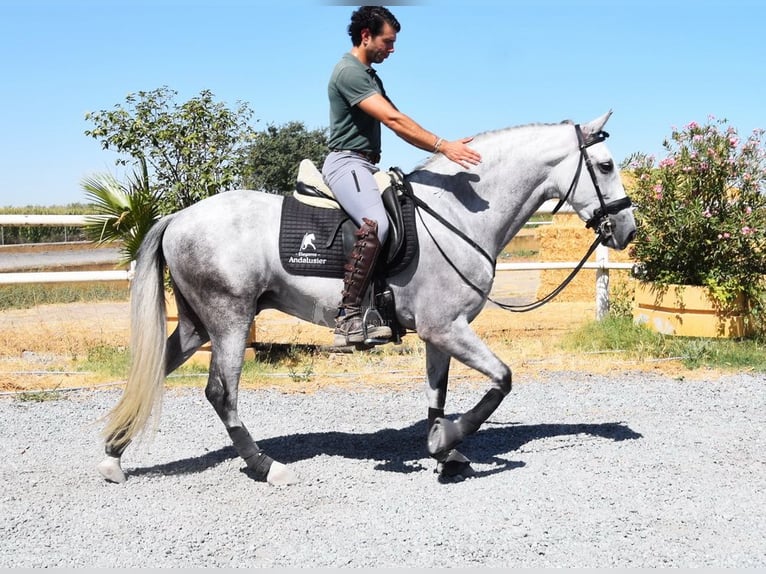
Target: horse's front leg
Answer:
pixel 458 340
pixel 451 463
pixel 437 372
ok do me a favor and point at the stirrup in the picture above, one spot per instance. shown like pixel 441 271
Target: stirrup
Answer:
pixel 370 330
pixel 372 318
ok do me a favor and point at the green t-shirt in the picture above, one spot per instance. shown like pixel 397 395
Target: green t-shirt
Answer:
pixel 351 128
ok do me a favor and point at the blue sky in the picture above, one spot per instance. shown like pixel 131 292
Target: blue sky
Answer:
pixel 460 68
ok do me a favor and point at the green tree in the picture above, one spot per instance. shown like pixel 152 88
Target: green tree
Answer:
pixel 123 212
pixel 270 162
pixel 192 149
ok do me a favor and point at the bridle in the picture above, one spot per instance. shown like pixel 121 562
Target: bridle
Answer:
pixel 599 222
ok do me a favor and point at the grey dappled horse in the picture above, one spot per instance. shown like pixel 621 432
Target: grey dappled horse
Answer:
pixel 223 257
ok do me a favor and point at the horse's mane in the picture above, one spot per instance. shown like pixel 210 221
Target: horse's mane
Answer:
pixel 521 127
pixel 484 134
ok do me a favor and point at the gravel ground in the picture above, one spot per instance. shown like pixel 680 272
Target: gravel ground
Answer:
pixel 573 470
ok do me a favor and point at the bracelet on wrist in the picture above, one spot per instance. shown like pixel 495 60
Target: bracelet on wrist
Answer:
pixel 438 144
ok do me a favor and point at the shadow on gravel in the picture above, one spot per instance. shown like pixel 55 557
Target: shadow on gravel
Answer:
pixel 402 450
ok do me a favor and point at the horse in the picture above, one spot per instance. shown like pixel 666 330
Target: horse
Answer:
pixel 308 241
pixel 222 257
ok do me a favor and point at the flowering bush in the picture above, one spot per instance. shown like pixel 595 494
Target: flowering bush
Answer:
pixel 701 212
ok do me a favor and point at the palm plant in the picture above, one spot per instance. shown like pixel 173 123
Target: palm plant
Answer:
pixel 124 211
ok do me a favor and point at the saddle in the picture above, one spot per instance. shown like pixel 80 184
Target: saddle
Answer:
pixel 316 234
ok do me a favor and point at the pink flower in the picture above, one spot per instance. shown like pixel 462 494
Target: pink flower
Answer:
pixel 668 162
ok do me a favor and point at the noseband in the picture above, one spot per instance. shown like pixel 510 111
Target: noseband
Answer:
pixel 599 221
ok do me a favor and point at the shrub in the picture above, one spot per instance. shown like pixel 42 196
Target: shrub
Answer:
pixel 701 212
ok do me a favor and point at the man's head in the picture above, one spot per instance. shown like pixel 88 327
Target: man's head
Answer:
pixel 373 32
pixel 372 19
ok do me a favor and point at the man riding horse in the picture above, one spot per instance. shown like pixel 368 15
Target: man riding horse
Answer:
pixel 358 106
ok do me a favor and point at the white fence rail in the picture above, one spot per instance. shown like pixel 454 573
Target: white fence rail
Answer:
pixel 602 265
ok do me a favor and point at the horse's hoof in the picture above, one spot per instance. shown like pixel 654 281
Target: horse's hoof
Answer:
pixel 111 470
pixel 280 475
pixel 443 436
pixel 455 465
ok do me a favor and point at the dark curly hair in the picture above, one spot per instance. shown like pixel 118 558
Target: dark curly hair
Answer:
pixel 373 18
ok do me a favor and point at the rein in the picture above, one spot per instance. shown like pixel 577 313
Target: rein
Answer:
pixel 599 222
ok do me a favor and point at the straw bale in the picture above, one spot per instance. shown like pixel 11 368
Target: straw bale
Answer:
pixel 567 239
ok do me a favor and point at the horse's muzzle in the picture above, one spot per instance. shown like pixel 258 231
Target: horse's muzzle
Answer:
pixel 617 231
pixel 614 223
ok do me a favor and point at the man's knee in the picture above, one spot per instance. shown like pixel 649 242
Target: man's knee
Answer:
pixel 383 229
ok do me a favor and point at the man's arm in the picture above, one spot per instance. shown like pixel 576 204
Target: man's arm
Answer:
pixel 410 131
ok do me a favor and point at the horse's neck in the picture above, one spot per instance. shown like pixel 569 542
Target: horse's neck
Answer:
pixel 492 201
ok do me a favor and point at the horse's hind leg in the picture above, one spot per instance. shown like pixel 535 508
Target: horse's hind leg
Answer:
pixel 182 344
pixel 188 336
pixel 110 467
pixel 221 391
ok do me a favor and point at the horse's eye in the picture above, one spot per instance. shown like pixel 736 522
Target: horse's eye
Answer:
pixel 606 166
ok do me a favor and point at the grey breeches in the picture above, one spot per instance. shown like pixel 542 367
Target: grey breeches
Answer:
pixel 350 177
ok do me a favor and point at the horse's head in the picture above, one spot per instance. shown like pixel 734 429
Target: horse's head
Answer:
pixel 591 184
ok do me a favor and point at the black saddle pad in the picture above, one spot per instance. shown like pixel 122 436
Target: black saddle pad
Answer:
pixel 311 240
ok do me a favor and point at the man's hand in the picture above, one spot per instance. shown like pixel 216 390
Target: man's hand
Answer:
pixel 459 152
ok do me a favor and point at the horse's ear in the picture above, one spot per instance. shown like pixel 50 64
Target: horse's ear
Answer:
pixel 597 125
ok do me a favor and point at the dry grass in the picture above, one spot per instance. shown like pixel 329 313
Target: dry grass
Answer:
pixel 39 348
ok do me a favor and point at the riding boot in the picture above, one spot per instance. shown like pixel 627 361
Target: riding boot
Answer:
pixel 349 324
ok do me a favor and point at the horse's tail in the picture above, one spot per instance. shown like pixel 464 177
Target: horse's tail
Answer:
pixel 142 397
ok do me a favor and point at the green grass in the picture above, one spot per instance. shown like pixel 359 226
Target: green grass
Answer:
pixel 106 360
pixel 40 396
pixel 26 296
pixel 636 341
pixel 517 253
pixel 293 361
